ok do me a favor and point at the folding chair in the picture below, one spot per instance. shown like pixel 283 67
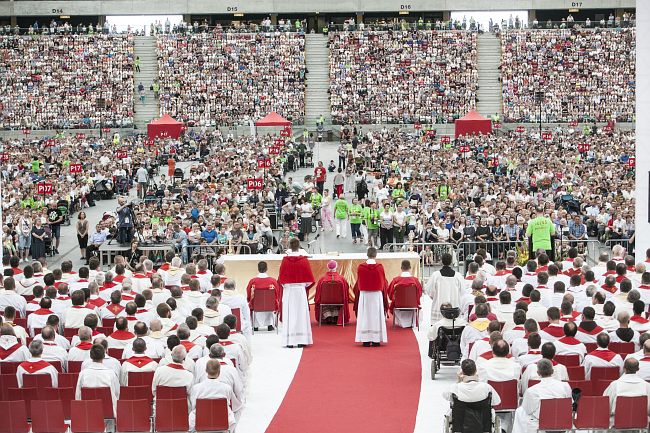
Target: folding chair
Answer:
pixel 9 367
pixel 64 395
pixel 141 378
pixel 24 394
pixel 264 302
pixel 115 353
pixel 599 386
pixel 585 386
pixel 556 414
pixel 14 417
pixel 171 392
pixel 593 413
pixel 567 360
pixel 604 373
pixel 621 348
pixel 21 321
pixel 103 394
pixel 136 393
pixel 87 416
pixel 70 332
pixel 508 391
pixel 171 416
pixel 631 413
pixel 331 295
pixel 108 323
pixel 406 298
pixel 591 347
pixel 74 366
pixel 237 313
pixel 211 415
pixel 37 381
pixel 106 330
pixel 7 381
pixel 68 380
pixel 37 331
pixel 576 373
pixel 133 416
pixel 57 365
pixel 47 417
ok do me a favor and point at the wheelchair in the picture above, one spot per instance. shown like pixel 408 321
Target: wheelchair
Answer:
pixel 476 417
pixel 445 349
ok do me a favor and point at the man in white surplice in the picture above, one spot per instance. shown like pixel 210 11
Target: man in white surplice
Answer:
pixel 295 278
pixel 527 415
pixel 444 286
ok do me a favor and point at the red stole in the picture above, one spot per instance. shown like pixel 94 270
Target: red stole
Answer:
pixel 188 345
pixel 294 270
pixel 4 353
pixel 555 331
pixel 164 267
pixel 122 335
pixel 96 303
pixel 43 312
pixel 541 269
pixel 176 366
pixel 371 278
pixel 141 361
pixel 33 367
pixel 608 288
pixel 605 355
pixel 571 341
pixel 639 319
pixel 224 343
pixel 490 355
pixel 597 330
pixel 115 309
pixel 119 278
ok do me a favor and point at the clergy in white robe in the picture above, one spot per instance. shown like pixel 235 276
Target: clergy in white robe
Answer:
pixel 468 388
pixel 155 346
pixel 404 318
pixel 500 366
pixel 121 337
pixel 232 299
pixel 174 373
pixel 531 372
pixel 569 345
pixel 137 362
pixel 527 415
pixel 76 314
pixel 81 351
pixel 238 337
pixel 475 330
pixel 516 331
pixel 371 303
pixel 233 350
pixel 644 362
pixel 534 353
pixel 444 286
pixel 295 279
pixel 11 350
pixel 602 356
pixel 630 384
pixel 36 365
pixel 263 282
pixel 98 375
pixel 211 389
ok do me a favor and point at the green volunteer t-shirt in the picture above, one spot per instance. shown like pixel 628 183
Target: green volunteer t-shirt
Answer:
pixel 372 217
pixel 36 166
pixel 341 209
pixel 356 212
pixel 541 229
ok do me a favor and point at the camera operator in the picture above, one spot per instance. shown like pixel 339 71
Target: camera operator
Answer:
pixel 125 221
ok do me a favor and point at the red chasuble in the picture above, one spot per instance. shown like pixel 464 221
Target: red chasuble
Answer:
pixel 345 288
pixel 605 355
pixel 296 270
pixel 370 278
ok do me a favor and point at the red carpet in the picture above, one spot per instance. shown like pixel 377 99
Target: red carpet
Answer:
pixel 341 386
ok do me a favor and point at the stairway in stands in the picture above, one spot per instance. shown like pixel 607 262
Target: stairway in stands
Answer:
pixel 145 48
pixel 489 91
pixel 317 99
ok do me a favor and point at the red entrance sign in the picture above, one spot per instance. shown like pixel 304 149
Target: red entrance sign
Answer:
pixel 264 163
pixel 497 125
pixel 76 168
pixel 274 150
pixel 547 136
pixel 464 148
pixel 573 123
pixel 121 154
pixel 631 161
pixel 44 188
pixel 254 183
pixel 520 129
pixel 4 156
pixel 445 139
pixel 584 147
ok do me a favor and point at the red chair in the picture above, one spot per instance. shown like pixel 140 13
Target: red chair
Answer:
pixel 103 394
pixel 237 313
pixel 556 414
pixel 24 394
pixel 115 353
pixel 583 385
pixel 136 393
pixel 108 323
pixel 87 416
pixel 593 413
pixel 631 413
pixel 599 386
pixel 141 378
pixel 509 394
pixel 14 417
pixel 604 373
pixel 406 298
pixel 37 331
pixel 568 360
pixel 212 415
pixel 9 367
pixel 264 302
pixel 591 347
pixel 331 295
pixel 64 395
pixel 576 373
pixel 133 416
pixel 106 330
pixel 621 348
pixel 7 381
pixel 533 382
pixel 47 417
pixel 74 366
pixel 70 332
pixel 171 415
pixel 21 321
pixel 68 380
pixel 171 392
pixel 37 381
pixel 57 365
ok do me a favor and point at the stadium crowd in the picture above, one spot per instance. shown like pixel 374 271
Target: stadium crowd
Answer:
pixel 401 76
pixel 222 78
pixel 583 74
pixel 66 81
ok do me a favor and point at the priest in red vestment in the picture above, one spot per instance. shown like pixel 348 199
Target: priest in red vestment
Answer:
pixel 295 279
pixel 405 318
pixel 263 282
pixel 332 314
pixel 370 302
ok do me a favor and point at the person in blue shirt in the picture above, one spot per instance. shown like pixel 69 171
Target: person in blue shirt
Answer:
pixel 209 234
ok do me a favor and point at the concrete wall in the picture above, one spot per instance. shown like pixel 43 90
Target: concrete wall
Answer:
pixel 162 7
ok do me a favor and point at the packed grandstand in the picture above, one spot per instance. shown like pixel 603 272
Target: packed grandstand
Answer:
pixel 125 243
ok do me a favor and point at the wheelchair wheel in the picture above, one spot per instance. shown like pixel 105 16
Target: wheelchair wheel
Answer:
pixel 497 424
pixel 434 369
pixel 448 427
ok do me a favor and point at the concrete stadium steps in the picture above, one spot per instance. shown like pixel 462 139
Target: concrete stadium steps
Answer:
pixel 489 58
pixel 317 99
pixel 145 48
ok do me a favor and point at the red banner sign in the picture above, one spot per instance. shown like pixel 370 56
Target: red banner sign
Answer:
pixel 445 139
pixel 431 133
pixel 44 188
pixel 547 136
pixel 279 141
pixel 607 129
pixel 584 147
pixel 417 126
pixel 520 129
pixel 631 161
pixel 76 168
pixel 50 143
pixel 274 150
pixel 4 156
pixel 573 123
pixel 254 183
pixel 80 136
pixel 264 163
pixel 26 131
pixel 464 148
pixel 497 125
pixel 106 130
pixel 121 154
